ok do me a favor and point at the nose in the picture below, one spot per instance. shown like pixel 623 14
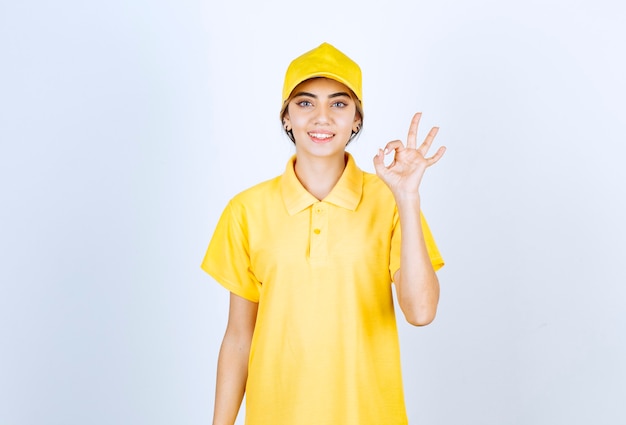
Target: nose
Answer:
pixel 323 114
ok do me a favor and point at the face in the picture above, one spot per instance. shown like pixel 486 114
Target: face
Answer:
pixel 322 115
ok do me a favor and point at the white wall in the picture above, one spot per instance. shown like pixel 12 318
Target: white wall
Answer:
pixel 125 127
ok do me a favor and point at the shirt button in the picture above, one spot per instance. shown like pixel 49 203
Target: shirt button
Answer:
pixel 316 231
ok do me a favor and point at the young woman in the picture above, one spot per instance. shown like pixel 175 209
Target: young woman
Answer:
pixel 309 258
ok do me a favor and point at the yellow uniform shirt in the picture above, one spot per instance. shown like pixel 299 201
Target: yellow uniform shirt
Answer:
pixel 325 347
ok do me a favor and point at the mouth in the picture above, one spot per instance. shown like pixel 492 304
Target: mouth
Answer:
pixel 317 137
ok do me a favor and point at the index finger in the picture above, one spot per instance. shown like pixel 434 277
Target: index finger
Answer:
pixel 411 140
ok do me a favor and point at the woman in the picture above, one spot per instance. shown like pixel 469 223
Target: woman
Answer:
pixel 309 258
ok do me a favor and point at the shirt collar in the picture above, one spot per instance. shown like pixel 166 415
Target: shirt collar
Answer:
pixel 346 193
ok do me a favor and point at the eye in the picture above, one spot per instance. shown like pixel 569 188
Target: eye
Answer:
pixel 340 103
pixel 304 103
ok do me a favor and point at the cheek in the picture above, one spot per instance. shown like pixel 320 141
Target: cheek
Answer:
pixel 298 120
pixel 346 121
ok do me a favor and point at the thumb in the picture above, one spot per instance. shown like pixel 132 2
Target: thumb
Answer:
pixel 379 162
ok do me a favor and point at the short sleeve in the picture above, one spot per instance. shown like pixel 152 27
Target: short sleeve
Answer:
pixel 433 252
pixel 396 241
pixel 227 258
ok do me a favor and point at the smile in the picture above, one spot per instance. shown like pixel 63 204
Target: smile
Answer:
pixel 320 137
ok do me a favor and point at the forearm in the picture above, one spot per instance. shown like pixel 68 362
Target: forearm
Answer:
pixel 232 372
pixel 417 286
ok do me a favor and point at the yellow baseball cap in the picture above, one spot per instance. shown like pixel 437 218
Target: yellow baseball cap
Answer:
pixel 323 61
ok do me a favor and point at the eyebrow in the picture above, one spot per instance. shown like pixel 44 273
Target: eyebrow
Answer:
pixel 339 94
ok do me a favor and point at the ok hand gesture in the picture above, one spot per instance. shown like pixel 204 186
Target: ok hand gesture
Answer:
pixel 404 174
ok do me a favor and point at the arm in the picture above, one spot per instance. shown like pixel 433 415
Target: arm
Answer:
pixel 417 286
pixel 232 365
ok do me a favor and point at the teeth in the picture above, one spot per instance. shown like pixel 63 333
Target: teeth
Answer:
pixel 321 135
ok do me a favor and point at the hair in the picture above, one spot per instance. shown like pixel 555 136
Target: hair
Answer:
pixel 359 110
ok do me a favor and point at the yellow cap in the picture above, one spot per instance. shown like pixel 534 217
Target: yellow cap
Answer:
pixel 323 61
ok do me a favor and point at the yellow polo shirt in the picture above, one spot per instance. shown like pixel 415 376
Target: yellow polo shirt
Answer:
pixel 325 347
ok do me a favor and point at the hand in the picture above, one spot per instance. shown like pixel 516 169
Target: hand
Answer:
pixel 404 174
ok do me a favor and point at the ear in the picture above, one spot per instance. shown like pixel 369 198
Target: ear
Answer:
pixel 286 122
pixel 356 126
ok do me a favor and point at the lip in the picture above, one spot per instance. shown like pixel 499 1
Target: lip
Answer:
pixel 321 137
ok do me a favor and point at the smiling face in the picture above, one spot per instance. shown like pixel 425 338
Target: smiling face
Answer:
pixel 322 116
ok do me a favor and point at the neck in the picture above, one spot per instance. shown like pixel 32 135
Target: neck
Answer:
pixel 319 175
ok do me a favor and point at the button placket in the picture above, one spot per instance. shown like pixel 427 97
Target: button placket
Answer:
pixel 319 233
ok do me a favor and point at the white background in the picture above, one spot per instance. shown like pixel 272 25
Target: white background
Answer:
pixel 126 126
